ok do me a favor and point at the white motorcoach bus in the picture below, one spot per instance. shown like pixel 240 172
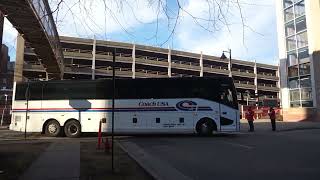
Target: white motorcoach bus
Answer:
pixel 166 105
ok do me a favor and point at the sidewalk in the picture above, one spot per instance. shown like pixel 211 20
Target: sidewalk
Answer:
pixel 4 127
pixel 60 161
pixel 265 125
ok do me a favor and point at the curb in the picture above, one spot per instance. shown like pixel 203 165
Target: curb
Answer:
pixel 300 129
pixel 158 169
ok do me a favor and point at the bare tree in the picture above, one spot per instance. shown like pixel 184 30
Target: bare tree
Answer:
pixel 217 16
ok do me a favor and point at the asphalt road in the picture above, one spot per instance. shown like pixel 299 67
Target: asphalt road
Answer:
pixel 292 155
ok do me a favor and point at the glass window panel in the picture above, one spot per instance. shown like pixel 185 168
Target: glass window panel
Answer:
pixel 295 95
pixel 288 14
pixel 305 81
pixel 307 103
pixel 302 39
pixel 306 94
pixel 293 71
pixel 287 3
pixel 304 69
pixel 299 9
pixel 292 58
pixel 291 43
pixel 290 29
pixel 293 83
pixel 295 104
pixel 301 24
pixel 303 55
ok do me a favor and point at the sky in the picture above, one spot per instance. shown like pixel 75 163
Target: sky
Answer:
pixel 248 28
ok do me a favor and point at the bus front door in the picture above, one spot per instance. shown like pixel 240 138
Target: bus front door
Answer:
pixel 228 118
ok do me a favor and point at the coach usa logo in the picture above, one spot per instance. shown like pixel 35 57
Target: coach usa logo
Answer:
pixel 186 105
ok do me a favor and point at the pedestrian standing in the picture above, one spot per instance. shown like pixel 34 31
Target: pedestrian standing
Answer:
pixel 250 118
pixel 272 115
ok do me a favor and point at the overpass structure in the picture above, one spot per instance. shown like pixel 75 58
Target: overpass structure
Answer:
pixel 33 20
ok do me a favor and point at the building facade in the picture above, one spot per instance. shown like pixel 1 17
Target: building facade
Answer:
pixel 299 52
pixel 92 59
pixel 6 84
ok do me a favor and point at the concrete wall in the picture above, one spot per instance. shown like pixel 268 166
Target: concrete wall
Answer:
pixel 18 73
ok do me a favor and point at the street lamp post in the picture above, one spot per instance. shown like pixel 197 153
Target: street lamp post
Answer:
pixel 248 96
pixel 223 56
pixel 5 107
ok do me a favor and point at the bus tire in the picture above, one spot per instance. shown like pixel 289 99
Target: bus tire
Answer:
pixel 205 127
pixel 52 128
pixel 72 129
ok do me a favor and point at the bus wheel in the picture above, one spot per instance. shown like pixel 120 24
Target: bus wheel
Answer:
pixel 53 128
pixel 205 127
pixel 72 129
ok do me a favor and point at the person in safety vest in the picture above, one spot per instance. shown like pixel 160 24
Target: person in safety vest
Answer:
pixel 272 115
pixel 250 118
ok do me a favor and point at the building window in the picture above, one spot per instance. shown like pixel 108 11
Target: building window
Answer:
pixel 307 103
pixel 306 94
pixel 304 69
pixel 287 3
pixel 301 24
pixel 157 120
pixel 291 43
pixel 303 55
pixel 295 95
pixel 293 71
pixel 298 61
pixel 293 83
pixel 302 39
pixel 299 9
pixel 290 29
pixel 288 14
pixel 292 58
pixel 305 82
pixel 295 104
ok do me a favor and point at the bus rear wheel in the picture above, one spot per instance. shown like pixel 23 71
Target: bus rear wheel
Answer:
pixel 53 128
pixel 72 129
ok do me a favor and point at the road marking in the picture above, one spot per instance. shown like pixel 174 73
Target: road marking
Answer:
pixel 239 145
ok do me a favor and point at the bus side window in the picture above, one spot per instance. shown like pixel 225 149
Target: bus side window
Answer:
pixel 226 97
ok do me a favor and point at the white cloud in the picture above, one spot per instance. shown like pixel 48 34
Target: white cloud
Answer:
pixel 258 16
pixel 88 18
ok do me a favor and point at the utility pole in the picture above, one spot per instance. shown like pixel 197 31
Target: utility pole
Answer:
pixel 113 98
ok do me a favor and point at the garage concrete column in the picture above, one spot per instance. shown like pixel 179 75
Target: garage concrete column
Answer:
pixel 134 61
pixel 93 68
pixel 18 71
pixel 201 65
pixel 169 62
pixel 255 71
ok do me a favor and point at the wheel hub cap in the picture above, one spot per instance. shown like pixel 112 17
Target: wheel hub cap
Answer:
pixel 52 128
pixel 73 129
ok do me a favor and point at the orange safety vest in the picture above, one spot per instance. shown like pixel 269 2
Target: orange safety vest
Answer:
pixel 250 115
